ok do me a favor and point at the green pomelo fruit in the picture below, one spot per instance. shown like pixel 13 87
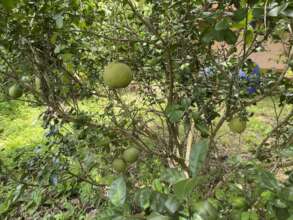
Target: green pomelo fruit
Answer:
pixel 237 125
pixel 119 165
pixel 15 91
pixel 117 75
pixel 131 155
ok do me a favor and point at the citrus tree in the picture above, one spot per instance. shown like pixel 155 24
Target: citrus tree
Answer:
pixel 134 95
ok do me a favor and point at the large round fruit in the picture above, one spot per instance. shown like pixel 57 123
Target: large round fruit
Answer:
pixel 15 91
pixel 131 155
pixel 119 165
pixel 237 125
pixel 205 210
pixel 238 202
pixel 117 75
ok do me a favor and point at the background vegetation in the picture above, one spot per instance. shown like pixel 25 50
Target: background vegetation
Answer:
pixel 212 130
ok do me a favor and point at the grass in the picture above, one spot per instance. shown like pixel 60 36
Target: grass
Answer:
pixel 20 126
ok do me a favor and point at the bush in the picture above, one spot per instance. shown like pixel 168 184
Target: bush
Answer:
pixel 188 89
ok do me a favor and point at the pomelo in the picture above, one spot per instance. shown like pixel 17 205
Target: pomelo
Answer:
pixel 237 125
pixel 131 155
pixel 117 75
pixel 119 165
pixel 15 91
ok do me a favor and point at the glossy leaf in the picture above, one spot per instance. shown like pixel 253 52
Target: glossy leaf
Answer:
pixel 197 156
pixel 172 204
pixel 117 192
pixel 157 216
pixel 184 188
pixel 143 198
pixel 172 176
pixel 222 25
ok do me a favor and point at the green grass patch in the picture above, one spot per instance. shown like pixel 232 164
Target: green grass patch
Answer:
pixel 20 125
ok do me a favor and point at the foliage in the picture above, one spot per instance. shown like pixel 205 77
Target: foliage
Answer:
pixel 186 87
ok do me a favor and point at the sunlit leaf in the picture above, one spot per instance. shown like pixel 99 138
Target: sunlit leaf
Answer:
pixel 117 192
pixel 197 156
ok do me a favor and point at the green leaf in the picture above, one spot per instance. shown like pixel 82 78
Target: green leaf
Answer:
pixel 266 196
pixel 157 216
pixel 241 24
pixel 117 192
pixel 143 197
pixel 19 190
pixel 157 185
pixel 174 113
pixel 222 25
pixel 172 176
pixel 253 215
pixel 268 181
pixel 274 10
pixel 244 216
pixel 287 194
pixel 184 188
pixel 249 37
pixel 209 36
pixel 196 216
pixel 8 4
pixel 258 13
pixel 284 9
pixel 59 21
pixel 250 215
pixel 4 206
pixel 287 152
pixel 230 37
pixel 239 15
pixel 201 126
pixel 172 204
pixel 197 156
pixel 288 12
pixel 158 202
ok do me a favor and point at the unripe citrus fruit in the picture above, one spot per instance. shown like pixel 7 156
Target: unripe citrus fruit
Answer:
pixel 131 155
pixel 237 125
pixel 205 210
pixel 117 75
pixel 119 165
pixel 15 91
